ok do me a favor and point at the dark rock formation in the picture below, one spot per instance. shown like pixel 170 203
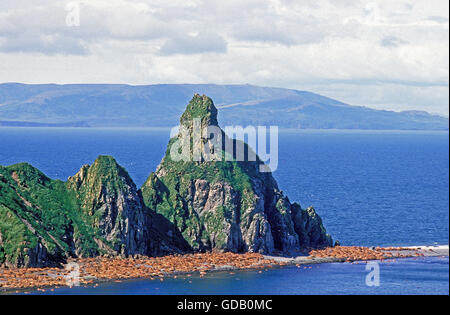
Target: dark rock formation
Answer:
pixel 98 211
pixel 227 205
pixel 108 195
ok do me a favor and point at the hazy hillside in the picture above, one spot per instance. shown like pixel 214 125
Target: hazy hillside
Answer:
pixel 161 105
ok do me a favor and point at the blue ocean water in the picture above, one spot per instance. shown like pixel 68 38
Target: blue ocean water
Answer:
pixel 370 187
pixel 407 276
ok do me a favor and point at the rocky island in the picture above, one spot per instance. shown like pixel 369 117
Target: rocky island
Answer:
pixel 228 205
pixel 184 207
pixel 190 216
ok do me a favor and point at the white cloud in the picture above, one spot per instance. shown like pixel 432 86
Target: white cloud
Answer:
pixel 196 43
pixel 386 54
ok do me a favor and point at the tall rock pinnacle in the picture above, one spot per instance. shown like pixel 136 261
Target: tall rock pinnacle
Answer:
pixel 227 205
pixel 201 107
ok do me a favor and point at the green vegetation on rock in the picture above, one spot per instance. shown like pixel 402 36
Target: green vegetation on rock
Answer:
pixel 98 211
pixel 183 206
pixel 40 211
pixel 222 205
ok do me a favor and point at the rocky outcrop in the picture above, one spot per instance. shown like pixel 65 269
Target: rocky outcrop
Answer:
pixel 210 201
pixel 224 205
pixel 99 211
pixel 107 194
pixel 309 227
pixel 114 207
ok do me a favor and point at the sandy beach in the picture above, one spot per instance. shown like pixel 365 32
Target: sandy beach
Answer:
pixel 96 270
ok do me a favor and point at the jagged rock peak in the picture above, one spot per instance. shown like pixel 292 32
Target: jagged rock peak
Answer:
pixel 226 205
pixel 201 107
pixel 108 195
pixel 106 172
pixel 107 167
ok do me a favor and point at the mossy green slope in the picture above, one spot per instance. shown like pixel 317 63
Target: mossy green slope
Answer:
pixel 37 217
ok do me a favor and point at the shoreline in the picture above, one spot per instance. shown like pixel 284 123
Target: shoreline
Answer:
pixel 397 252
pixel 94 271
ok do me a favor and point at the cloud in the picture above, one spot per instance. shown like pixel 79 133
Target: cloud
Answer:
pixel 392 41
pixel 203 42
pixel 438 19
pixel 367 49
pixel 44 44
pixel 280 32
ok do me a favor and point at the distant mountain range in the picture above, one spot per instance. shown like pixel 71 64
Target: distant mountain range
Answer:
pixel 108 105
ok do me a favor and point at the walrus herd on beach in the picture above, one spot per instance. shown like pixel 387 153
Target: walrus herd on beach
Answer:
pixel 94 270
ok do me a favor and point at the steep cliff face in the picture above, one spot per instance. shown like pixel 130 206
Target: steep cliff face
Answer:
pixel 222 203
pixel 309 227
pixel 109 197
pixel 110 200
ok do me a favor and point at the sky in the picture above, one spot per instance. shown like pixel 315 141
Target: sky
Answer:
pixel 385 54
